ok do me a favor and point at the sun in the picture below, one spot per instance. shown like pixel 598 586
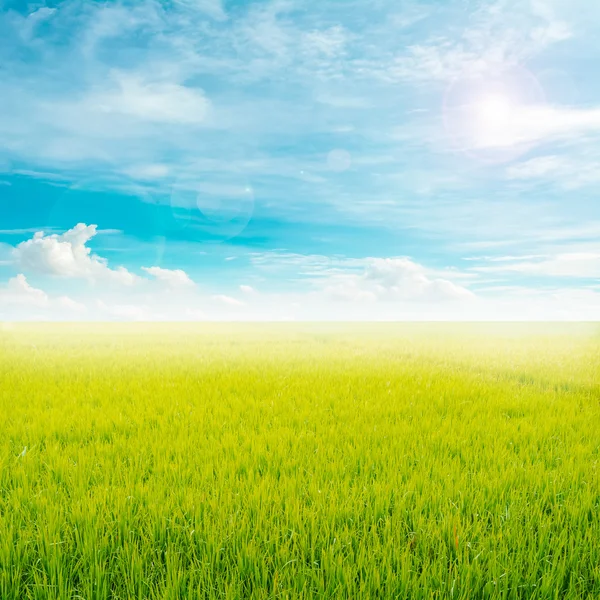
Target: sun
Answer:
pixel 494 119
pixel 487 115
pixel 494 109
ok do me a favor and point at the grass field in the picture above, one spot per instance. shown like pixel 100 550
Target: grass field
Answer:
pixel 299 461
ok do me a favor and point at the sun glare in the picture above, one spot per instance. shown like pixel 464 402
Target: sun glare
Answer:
pixel 494 109
pixel 494 115
pixel 487 116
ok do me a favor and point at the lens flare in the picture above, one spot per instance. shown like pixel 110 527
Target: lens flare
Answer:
pixel 484 115
pixel 217 207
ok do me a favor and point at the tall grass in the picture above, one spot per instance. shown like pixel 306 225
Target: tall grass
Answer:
pixel 238 461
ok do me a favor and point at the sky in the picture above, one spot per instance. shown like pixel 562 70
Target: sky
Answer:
pixel 299 160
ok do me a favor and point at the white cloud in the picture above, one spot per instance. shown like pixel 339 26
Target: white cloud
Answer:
pixel 132 106
pixel 173 278
pixel 499 125
pixel 213 8
pixel 108 23
pixel 330 42
pixel 128 106
pixel 155 101
pixel 395 279
pixel 372 288
pixel 532 124
pixel 538 167
pixel 68 256
pixel 66 303
pixel 20 231
pixel 307 263
pixel 148 172
pixel 227 300
pixel 20 300
pixel 568 171
pixel 500 33
pixel 372 296
pixel 19 292
pixel 572 264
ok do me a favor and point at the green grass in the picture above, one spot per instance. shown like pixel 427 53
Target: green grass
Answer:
pixel 299 461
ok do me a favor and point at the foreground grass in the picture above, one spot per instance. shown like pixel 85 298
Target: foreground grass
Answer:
pixel 390 461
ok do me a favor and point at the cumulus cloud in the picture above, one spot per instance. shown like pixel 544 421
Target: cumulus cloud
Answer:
pixel 370 288
pixel 395 279
pixel 19 297
pixel 19 292
pixel 173 278
pixel 68 304
pixel 67 256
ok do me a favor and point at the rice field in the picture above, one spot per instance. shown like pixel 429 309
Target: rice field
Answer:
pixel 299 461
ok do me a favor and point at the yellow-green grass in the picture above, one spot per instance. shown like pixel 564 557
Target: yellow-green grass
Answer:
pixel 299 461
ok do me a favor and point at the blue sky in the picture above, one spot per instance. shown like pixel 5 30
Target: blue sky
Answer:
pixel 277 159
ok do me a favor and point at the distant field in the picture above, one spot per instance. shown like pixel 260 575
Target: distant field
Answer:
pixel 299 461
